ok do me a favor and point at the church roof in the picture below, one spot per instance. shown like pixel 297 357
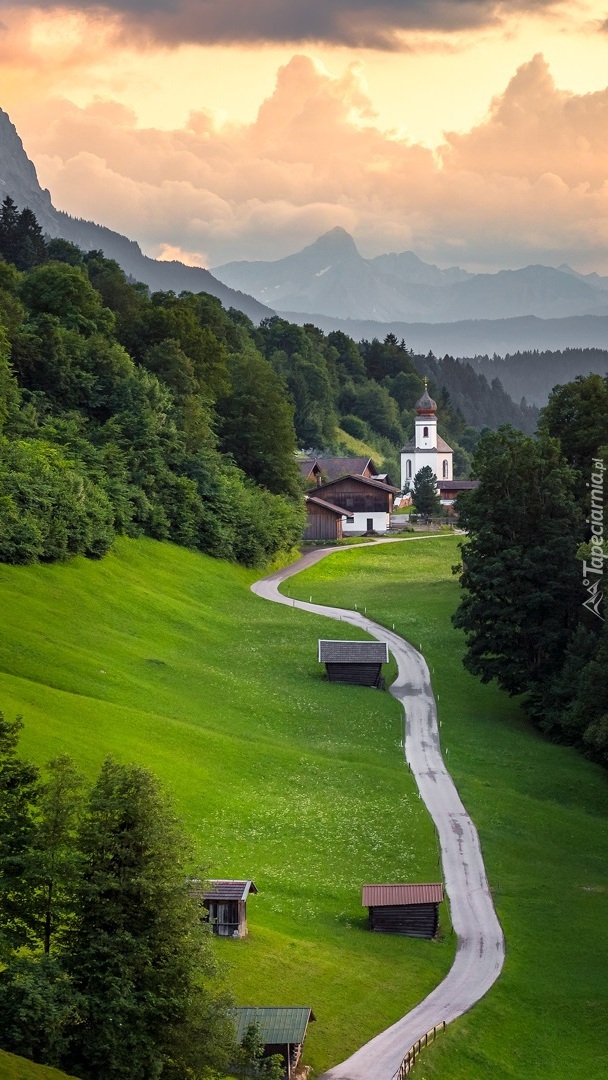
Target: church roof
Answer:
pixel 425 404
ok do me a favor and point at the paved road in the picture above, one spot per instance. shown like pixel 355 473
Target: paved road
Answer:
pixel 480 953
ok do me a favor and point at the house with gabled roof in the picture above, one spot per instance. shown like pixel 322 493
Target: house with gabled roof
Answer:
pixel 321 469
pixel 367 502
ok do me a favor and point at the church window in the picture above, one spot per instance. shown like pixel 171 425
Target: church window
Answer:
pixel 408 470
pixel 445 469
pixel 425 433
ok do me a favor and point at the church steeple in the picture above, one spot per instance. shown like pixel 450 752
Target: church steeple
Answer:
pixel 425 406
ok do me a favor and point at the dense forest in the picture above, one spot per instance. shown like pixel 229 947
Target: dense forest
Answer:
pixel 123 411
pixel 534 564
pixel 533 373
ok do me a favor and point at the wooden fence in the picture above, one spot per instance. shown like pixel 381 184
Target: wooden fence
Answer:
pixel 408 1062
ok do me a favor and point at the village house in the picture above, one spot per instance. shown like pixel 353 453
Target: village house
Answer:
pixel 320 469
pixel 366 501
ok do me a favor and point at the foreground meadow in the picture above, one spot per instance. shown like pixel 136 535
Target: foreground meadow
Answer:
pixel 161 656
pixel 541 811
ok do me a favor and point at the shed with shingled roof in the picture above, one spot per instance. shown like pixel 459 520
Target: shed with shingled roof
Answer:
pixel 358 662
pixel 281 1030
pixel 225 904
pixel 412 910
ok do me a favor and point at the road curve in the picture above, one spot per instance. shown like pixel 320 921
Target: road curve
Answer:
pixel 480 953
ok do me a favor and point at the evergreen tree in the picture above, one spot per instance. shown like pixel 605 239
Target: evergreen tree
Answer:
pixel 138 953
pixel 57 861
pixel 424 492
pixel 250 1063
pixel 521 580
pixel 19 794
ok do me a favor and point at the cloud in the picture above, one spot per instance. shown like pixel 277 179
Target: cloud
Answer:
pixel 527 185
pixel 377 24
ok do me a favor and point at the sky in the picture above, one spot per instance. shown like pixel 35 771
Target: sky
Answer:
pixel 473 132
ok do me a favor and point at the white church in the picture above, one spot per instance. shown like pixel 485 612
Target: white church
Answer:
pixel 427 447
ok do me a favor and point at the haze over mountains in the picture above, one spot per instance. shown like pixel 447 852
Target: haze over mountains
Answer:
pixel 330 283
pixel 330 277
pixel 18 178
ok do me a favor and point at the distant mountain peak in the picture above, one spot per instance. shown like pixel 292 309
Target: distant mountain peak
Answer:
pixel 336 240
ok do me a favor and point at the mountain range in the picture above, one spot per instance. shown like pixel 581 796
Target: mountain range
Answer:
pixel 330 277
pixel 331 284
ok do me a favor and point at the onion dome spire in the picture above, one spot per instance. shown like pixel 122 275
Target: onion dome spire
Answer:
pixel 425 405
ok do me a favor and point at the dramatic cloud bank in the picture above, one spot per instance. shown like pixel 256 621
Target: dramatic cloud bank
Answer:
pixel 527 185
pixel 355 23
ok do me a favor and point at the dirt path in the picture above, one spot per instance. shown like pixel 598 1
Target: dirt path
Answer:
pixel 480 953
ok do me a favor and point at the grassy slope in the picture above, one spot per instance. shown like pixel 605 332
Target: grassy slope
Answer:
pixel 358 447
pixel 162 656
pixel 17 1068
pixel 541 812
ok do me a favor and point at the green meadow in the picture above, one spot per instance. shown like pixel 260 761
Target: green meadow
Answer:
pixel 17 1068
pixel 541 811
pixel 163 656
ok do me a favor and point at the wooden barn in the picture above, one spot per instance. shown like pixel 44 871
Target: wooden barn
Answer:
pixel 282 1030
pixel 412 910
pixel 366 501
pixel 225 903
pixel 323 520
pixel 358 662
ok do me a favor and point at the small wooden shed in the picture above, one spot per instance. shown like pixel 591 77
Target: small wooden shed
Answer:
pixel 358 662
pixel 225 902
pixel 323 520
pixel 412 910
pixel 282 1030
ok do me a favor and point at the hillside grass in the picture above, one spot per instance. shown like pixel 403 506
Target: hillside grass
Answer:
pixel 18 1068
pixel 541 811
pixel 163 656
pixel 358 447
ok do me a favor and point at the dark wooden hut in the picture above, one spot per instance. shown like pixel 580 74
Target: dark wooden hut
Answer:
pixel 358 662
pixel 225 904
pixel 323 520
pixel 412 910
pixel 282 1030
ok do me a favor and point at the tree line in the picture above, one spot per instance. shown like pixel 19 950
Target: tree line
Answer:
pixel 533 614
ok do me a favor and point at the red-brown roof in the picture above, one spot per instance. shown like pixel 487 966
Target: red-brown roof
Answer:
pixel 395 895
pixel 334 467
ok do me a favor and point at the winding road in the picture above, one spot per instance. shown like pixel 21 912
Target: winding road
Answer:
pixel 480 953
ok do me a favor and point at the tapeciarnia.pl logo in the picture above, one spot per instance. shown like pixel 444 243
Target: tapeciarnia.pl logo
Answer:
pixel 593 571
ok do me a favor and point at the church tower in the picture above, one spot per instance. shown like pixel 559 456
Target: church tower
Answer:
pixel 427 447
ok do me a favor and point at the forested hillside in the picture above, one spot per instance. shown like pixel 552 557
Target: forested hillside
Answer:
pixel 533 373
pixel 125 411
